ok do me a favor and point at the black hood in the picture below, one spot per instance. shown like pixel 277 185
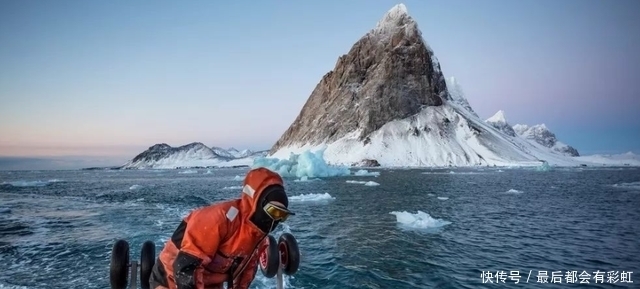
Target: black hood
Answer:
pixel 273 193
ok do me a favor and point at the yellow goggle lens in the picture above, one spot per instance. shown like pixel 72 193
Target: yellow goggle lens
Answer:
pixel 275 212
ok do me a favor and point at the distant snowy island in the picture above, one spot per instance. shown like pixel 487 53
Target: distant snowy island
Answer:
pixel 193 155
pixel 387 103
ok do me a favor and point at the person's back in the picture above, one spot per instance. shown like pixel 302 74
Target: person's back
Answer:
pixel 219 242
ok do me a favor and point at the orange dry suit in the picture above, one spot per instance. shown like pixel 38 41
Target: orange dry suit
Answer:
pixel 220 243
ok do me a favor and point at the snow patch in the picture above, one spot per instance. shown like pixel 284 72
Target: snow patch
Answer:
pixel 419 220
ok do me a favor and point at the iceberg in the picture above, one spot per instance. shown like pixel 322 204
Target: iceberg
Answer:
pixel 544 167
pixel 419 220
pixel 306 164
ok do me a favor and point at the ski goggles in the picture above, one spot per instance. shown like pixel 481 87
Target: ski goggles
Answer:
pixel 276 212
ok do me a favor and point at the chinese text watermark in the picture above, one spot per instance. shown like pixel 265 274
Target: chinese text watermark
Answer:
pixel 569 277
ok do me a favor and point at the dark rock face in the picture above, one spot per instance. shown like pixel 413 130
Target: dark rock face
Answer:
pixel 367 163
pixel 540 134
pixel 569 150
pixel 505 128
pixel 155 153
pixel 389 74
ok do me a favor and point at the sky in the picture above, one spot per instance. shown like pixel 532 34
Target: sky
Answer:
pixel 102 81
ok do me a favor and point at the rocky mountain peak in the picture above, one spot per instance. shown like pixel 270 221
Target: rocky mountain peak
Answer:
pixel 499 121
pixel 390 73
pixel 396 19
pixel 498 117
pixel 160 146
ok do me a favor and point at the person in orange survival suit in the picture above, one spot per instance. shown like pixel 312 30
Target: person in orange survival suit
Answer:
pixel 219 243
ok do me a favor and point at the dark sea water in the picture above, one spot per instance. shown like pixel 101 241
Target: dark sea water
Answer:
pixel 57 228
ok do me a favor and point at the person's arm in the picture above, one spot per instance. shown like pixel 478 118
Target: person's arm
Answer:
pixel 204 230
pixel 249 273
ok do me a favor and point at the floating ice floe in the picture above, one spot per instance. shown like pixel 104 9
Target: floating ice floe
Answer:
pixel 366 183
pixel 311 197
pixel 419 220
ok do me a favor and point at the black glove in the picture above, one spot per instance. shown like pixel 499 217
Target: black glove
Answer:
pixel 184 268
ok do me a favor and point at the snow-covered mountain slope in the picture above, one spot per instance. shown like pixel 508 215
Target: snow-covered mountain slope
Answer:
pixel 163 156
pixel 530 146
pixel 543 143
pixel 244 153
pixel 542 135
pixel 437 136
pixel 223 153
